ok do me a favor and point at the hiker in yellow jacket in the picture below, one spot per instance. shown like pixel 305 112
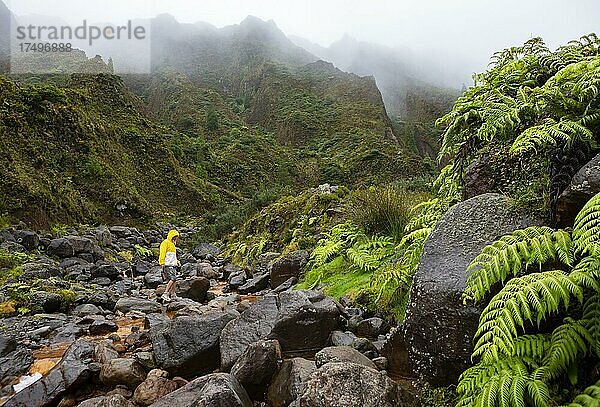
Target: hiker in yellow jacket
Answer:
pixel 168 260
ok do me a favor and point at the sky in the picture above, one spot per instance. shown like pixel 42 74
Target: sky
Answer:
pixel 468 31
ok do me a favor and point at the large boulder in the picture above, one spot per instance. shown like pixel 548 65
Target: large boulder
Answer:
pixel 289 265
pixel 584 185
pixel 256 367
pixel 72 372
pixel 299 320
pixel 350 384
pixel 439 328
pixel 189 345
pixel 288 383
pixel 217 389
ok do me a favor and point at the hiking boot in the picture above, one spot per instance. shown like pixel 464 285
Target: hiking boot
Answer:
pixel 165 297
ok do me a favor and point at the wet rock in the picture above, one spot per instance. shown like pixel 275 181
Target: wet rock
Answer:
pixel 154 277
pixel 7 344
pixel 155 386
pixel 49 302
pixel 230 269
pixel 237 279
pixel 204 249
pixel 381 363
pixel 339 338
pixel 217 389
pixel 102 327
pixel 14 364
pixel 255 368
pixel 188 346
pixel 114 400
pixel 436 318
pixel 12 247
pixel 287 285
pixel 342 354
pixel 86 309
pixel 123 371
pixel 28 239
pixel 305 320
pixel 290 265
pixel 299 320
pixel 108 271
pixel 251 326
pixel 154 320
pixel 395 349
pixel 371 327
pixel 584 185
pixel 206 270
pixel 194 288
pixel 105 352
pixel 349 384
pixel 68 333
pixel 288 383
pixel 61 248
pixel 73 371
pixel 137 304
pixel 257 283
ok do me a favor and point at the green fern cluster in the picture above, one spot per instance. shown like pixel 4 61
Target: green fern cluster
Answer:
pixel 531 98
pixel 517 368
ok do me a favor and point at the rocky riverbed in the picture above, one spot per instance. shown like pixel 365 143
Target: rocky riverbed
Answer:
pixel 83 326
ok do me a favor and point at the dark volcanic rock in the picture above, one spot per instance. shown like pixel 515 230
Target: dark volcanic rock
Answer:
pixel 371 327
pixel 257 283
pixel 349 384
pixel 72 371
pixel 439 327
pixel 194 288
pixel 102 327
pixel 49 302
pixel 137 304
pixel 7 344
pixel 30 240
pixel 61 248
pixel 256 366
pixel 14 364
pixel 253 325
pixel 217 389
pixel 288 383
pixel 188 346
pixel 584 185
pixel 299 320
pixel 290 265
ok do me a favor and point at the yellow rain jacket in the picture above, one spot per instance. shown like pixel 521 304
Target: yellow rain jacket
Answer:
pixel 167 246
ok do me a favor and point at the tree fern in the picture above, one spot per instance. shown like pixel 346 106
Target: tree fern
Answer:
pixel 509 255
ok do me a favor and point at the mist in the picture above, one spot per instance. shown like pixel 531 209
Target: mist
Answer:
pixel 447 40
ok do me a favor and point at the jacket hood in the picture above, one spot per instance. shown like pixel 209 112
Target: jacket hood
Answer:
pixel 172 234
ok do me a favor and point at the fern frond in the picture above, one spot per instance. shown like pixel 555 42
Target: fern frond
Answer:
pixel 528 298
pixel 586 232
pixel 507 257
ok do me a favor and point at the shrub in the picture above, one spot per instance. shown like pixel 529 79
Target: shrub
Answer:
pixel 383 210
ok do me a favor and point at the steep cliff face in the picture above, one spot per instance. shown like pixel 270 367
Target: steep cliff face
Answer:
pixel 83 152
